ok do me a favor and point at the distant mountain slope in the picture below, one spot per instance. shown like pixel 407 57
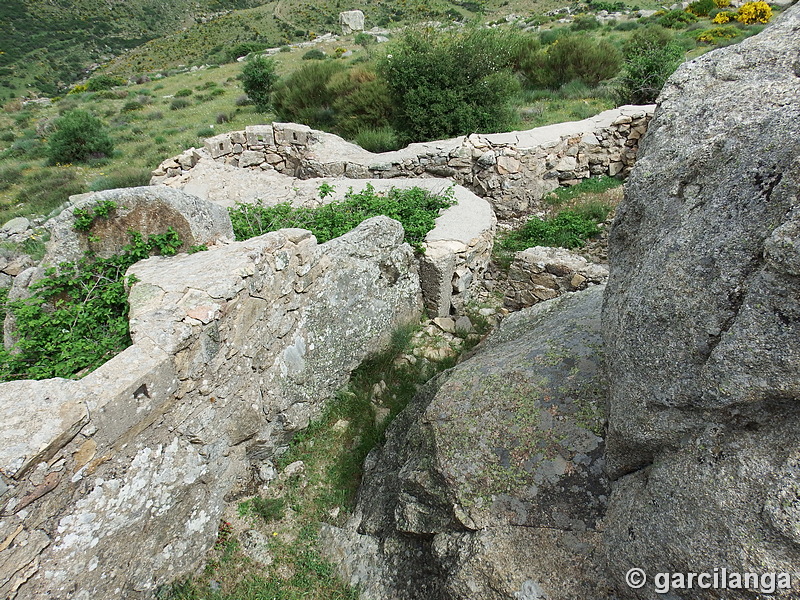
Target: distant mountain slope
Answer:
pixel 47 42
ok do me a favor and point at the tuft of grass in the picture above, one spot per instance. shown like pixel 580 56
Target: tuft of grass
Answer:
pixel 121 178
pixel 592 185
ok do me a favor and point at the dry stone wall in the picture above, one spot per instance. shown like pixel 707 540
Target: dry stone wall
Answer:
pixel 114 484
pixel 513 171
pixel 540 273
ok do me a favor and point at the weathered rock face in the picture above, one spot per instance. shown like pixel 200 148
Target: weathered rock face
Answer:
pixel 491 482
pixel 114 484
pixel 351 21
pixel 148 210
pixel 701 323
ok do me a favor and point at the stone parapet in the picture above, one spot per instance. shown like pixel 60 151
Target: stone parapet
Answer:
pixel 513 171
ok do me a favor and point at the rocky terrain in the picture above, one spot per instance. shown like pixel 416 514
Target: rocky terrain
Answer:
pixel 650 423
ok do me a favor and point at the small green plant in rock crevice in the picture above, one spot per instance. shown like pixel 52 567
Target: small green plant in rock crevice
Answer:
pixel 84 217
pixel 77 315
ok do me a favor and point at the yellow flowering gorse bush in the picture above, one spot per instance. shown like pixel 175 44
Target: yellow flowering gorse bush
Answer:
pixel 754 12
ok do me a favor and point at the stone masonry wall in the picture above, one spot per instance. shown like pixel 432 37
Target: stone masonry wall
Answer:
pixel 513 171
pixel 114 484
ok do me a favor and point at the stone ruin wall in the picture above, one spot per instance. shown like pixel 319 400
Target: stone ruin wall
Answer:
pixel 513 171
pixel 234 350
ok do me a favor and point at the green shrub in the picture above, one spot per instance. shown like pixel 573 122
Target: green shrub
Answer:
pixel 131 106
pixel 179 103
pixel 571 57
pixel 183 93
pixel 314 54
pixel 258 80
pixel 364 39
pixel 627 26
pixel 584 23
pixel 77 316
pixel 382 139
pixel 361 101
pixel 205 132
pixel 103 82
pixel 303 96
pixel 676 19
pixel 415 208
pixel 717 34
pixel 244 49
pixel 567 229
pixel 701 8
pixel 78 136
pixel 450 84
pixel 651 56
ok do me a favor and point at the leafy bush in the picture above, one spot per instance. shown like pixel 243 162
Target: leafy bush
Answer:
pixel 179 103
pixel 572 57
pixel 77 316
pixel 415 208
pixel 383 139
pixel 103 82
pixel 715 34
pixel 584 23
pixel 131 106
pixel 754 12
pixel 567 229
pixel 258 79
pixel 701 8
pixel 627 26
pixel 450 84
pixel 303 96
pixel 314 54
pixel 205 132
pixel 78 136
pixel 183 93
pixel 676 19
pixel 360 101
pixel 364 39
pixel 651 56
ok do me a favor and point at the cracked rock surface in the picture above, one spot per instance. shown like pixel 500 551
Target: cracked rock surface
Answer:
pixel 701 322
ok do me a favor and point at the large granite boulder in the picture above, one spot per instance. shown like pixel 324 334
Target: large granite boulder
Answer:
pixel 702 324
pixel 491 482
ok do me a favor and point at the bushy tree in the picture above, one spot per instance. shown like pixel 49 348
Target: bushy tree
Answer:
pixel 258 80
pixel 571 57
pixel 103 82
pixel 651 56
pixel 361 101
pixel 448 84
pixel 78 136
pixel 303 96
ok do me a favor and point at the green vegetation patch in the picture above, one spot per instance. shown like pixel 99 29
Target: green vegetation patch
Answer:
pixel 415 208
pixel 77 317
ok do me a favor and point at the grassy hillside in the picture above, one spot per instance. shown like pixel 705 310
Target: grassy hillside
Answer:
pixel 48 43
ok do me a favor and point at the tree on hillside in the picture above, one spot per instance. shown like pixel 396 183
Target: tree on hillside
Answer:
pixel 78 136
pixel 451 84
pixel 651 56
pixel 258 79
